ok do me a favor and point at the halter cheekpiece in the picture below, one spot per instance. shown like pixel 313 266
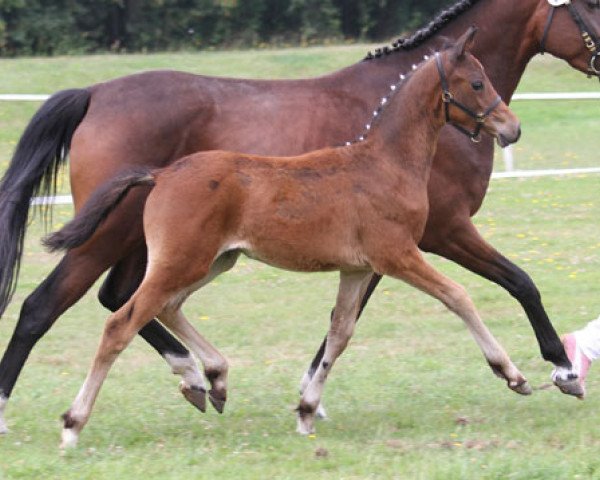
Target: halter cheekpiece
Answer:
pixel 448 99
pixel 589 36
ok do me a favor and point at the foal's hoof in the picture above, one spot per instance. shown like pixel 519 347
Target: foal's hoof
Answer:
pixel 69 439
pixel 195 395
pixel 571 386
pixel 321 413
pixel 3 427
pixel 521 387
pixel 217 400
pixel 305 419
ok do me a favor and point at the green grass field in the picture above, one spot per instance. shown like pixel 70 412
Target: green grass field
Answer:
pixel 412 398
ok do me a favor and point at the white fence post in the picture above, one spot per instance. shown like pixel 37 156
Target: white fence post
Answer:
pixel 507 154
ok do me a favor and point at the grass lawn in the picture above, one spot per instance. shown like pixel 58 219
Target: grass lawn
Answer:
pixel 412 398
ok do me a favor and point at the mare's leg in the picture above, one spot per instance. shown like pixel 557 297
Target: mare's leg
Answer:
pixel 321 413
pixel 121 327
pixel 352 288
pixel 463 245
pixel 122 281
pixel 71 278
pixel 412 268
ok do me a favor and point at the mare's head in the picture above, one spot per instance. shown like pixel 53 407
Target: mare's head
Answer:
pixel 469 99
pixel 570 29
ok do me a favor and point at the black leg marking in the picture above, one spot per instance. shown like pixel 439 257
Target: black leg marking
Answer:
pixel 375 279
pixel 69 421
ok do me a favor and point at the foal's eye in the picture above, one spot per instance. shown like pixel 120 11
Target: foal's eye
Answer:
pixel 477 85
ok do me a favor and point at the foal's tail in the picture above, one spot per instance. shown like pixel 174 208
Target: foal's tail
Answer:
pixel 34 168
pixel 104 200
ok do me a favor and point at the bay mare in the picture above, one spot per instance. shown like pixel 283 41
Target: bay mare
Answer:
pixel 357 209
pixel 151 119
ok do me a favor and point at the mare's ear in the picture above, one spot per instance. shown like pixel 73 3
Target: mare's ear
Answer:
pixel 465 42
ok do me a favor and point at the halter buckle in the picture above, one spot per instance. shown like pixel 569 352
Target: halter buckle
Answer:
pixel 589 42
pixel 476 138
pixel 594 64
pixel 447 97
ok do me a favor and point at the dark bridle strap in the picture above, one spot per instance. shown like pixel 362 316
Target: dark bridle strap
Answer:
pixel 449 99
pixel 547 29
pixel 590 38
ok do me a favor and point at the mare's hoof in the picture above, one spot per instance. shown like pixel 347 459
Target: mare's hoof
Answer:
pixel 571 386
pixel 195 395
pixel 522 388
pixel 217 400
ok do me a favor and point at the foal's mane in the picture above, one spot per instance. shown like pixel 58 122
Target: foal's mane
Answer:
pixel 426 32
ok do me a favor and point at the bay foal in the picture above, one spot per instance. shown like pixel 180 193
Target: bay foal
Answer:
pixel 358 209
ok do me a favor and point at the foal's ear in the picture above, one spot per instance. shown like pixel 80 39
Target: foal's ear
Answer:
pixel 465 42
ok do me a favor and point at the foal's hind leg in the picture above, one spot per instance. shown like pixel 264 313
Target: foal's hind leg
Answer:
pixel 121 327
pixel 413 269
pixel 352 288
pixel 123 279
pixel 215 365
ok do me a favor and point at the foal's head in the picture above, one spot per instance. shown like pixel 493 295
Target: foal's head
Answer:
pixel 470 101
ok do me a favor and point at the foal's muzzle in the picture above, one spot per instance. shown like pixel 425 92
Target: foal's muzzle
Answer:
pixel 504 140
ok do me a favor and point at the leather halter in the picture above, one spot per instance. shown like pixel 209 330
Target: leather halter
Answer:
pixel 589 36
pixel 449 99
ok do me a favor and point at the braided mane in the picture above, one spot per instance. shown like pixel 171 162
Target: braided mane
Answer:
pixel 426 32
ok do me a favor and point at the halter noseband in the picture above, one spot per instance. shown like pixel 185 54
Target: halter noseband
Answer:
pixel 448 99
pixel 589 36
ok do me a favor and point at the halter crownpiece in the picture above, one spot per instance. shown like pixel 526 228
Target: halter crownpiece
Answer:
pixel 449 99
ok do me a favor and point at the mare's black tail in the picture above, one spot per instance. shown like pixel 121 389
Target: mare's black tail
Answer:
pixel 96 210
pixel 40 153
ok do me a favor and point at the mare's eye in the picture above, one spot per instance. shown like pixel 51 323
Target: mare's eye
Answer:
pixel 477 85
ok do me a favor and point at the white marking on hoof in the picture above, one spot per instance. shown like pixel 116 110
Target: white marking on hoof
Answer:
pixel 69 438
pixel 521 388
pixel 562 374
pixel 187 368
pixel 3 427
pixel 305 426
pixel 321 414
pixel 568 382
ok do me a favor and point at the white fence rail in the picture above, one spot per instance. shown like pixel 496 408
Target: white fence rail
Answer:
pixel 508 155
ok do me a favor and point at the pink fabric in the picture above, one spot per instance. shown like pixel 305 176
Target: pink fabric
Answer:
pixel 581 363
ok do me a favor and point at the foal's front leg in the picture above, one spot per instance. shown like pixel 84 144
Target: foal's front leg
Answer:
pixel 352 288
pixel 413 269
